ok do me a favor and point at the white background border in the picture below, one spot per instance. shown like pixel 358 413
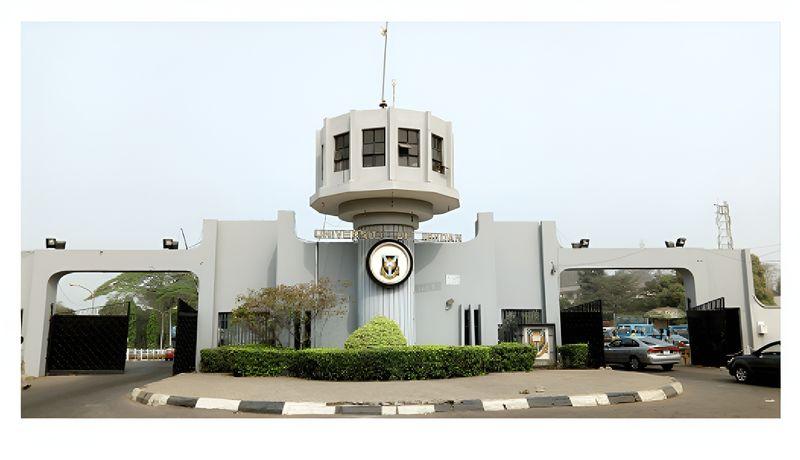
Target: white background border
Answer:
pixel 391 438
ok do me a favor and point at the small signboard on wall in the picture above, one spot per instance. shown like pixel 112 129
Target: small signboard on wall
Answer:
pixel 543 338
pixel 452 280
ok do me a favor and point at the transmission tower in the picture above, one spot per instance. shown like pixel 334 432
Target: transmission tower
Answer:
pixel 724 236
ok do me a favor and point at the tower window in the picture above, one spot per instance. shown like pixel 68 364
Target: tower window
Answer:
pixel 408 147
pixel 436 149
pixel 373 149
pixel 341 153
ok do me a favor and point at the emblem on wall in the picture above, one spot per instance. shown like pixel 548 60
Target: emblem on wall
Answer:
pixel 389 262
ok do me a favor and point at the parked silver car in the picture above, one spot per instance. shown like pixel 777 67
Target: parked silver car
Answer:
pixel 638 352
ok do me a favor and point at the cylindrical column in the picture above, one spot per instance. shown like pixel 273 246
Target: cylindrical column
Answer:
pixel 374 299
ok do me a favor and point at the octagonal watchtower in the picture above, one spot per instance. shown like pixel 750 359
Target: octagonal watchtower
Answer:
pixel 385 170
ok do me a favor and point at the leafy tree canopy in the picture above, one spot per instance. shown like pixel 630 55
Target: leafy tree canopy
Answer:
pixel 156 290
pixel 763 293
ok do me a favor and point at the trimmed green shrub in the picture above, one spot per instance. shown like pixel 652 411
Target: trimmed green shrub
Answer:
pixel 365 364
pixel 262 361
pixel 380 331
pixel 512 357
pixel 393 363
pixel 574 355
pixel 215 360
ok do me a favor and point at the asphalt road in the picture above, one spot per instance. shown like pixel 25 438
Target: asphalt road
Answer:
pixel 708 393
pixel 102 396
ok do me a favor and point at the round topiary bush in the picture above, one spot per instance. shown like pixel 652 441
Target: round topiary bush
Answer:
pixel 380 331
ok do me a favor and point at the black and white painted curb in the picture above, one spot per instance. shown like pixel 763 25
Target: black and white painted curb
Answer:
pixel 321 408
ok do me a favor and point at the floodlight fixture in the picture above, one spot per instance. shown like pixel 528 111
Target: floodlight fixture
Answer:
pixel 52 243
pixel 584 243
pixel 681 242
pixel 169 243
pixel 669 244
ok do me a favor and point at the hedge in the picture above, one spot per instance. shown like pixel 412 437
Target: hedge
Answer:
pixel 574 355
pixel 380 331
pixel 369 364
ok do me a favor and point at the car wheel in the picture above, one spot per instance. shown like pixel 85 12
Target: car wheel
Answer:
pixel 634 363
pixel 741 374
pixel 667 367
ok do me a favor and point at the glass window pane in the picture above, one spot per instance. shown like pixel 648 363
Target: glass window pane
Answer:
pixel 379 148
pixel 368 149
pixel 337 156
pixel 402 135
pixel 414 151
pixel 346 153
pixel 380 160
pixel 379 135
pixel 402 161
pixel 412 137
pixel 413 161
pixel 368 161
pixel 369 135
pixel 346 140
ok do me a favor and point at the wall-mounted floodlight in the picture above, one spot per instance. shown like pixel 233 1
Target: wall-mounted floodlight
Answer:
pixel 679 243
pixel 583 243
pixel 169 243
pixel 52 243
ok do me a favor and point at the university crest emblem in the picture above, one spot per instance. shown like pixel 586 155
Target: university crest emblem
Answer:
pixel 389 263
pixel 389 267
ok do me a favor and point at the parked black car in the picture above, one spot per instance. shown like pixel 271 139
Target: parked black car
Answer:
pixel 764 363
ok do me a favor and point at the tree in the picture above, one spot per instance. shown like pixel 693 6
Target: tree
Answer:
pixel 132 325
pixel 157 293
pixel 291 309
pixel 763 292
pixel 152 330
pixel 618 291
pixel 61 309
pixel 665 291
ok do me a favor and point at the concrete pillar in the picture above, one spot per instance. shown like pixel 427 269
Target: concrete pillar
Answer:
pixel 396 302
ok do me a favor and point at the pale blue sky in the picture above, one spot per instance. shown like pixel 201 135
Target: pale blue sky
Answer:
pixel 620 132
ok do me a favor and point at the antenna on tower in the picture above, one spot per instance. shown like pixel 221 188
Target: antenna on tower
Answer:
pixel 723 218
pixel 394 93
pixel 385 33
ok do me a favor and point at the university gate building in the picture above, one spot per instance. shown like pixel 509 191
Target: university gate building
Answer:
pixel 387 170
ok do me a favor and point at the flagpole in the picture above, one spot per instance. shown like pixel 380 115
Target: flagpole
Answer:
pixel 385 33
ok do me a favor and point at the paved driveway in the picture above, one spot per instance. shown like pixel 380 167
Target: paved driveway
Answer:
pixel 95 396
pixel 708 392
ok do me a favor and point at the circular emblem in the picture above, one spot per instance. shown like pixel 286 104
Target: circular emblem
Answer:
pixel 389 262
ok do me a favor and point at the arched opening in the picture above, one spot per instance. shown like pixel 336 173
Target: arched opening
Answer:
pixel 657 305
pixel 106 322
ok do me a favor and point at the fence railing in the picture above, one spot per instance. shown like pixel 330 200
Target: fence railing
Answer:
pixel 244 333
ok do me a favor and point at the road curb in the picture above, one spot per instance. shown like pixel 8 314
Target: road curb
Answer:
pixel 395 408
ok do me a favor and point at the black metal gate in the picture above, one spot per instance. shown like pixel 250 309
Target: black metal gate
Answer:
pixel 584 324
pixel 185 339
pixel 714 332
pixel 87 344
